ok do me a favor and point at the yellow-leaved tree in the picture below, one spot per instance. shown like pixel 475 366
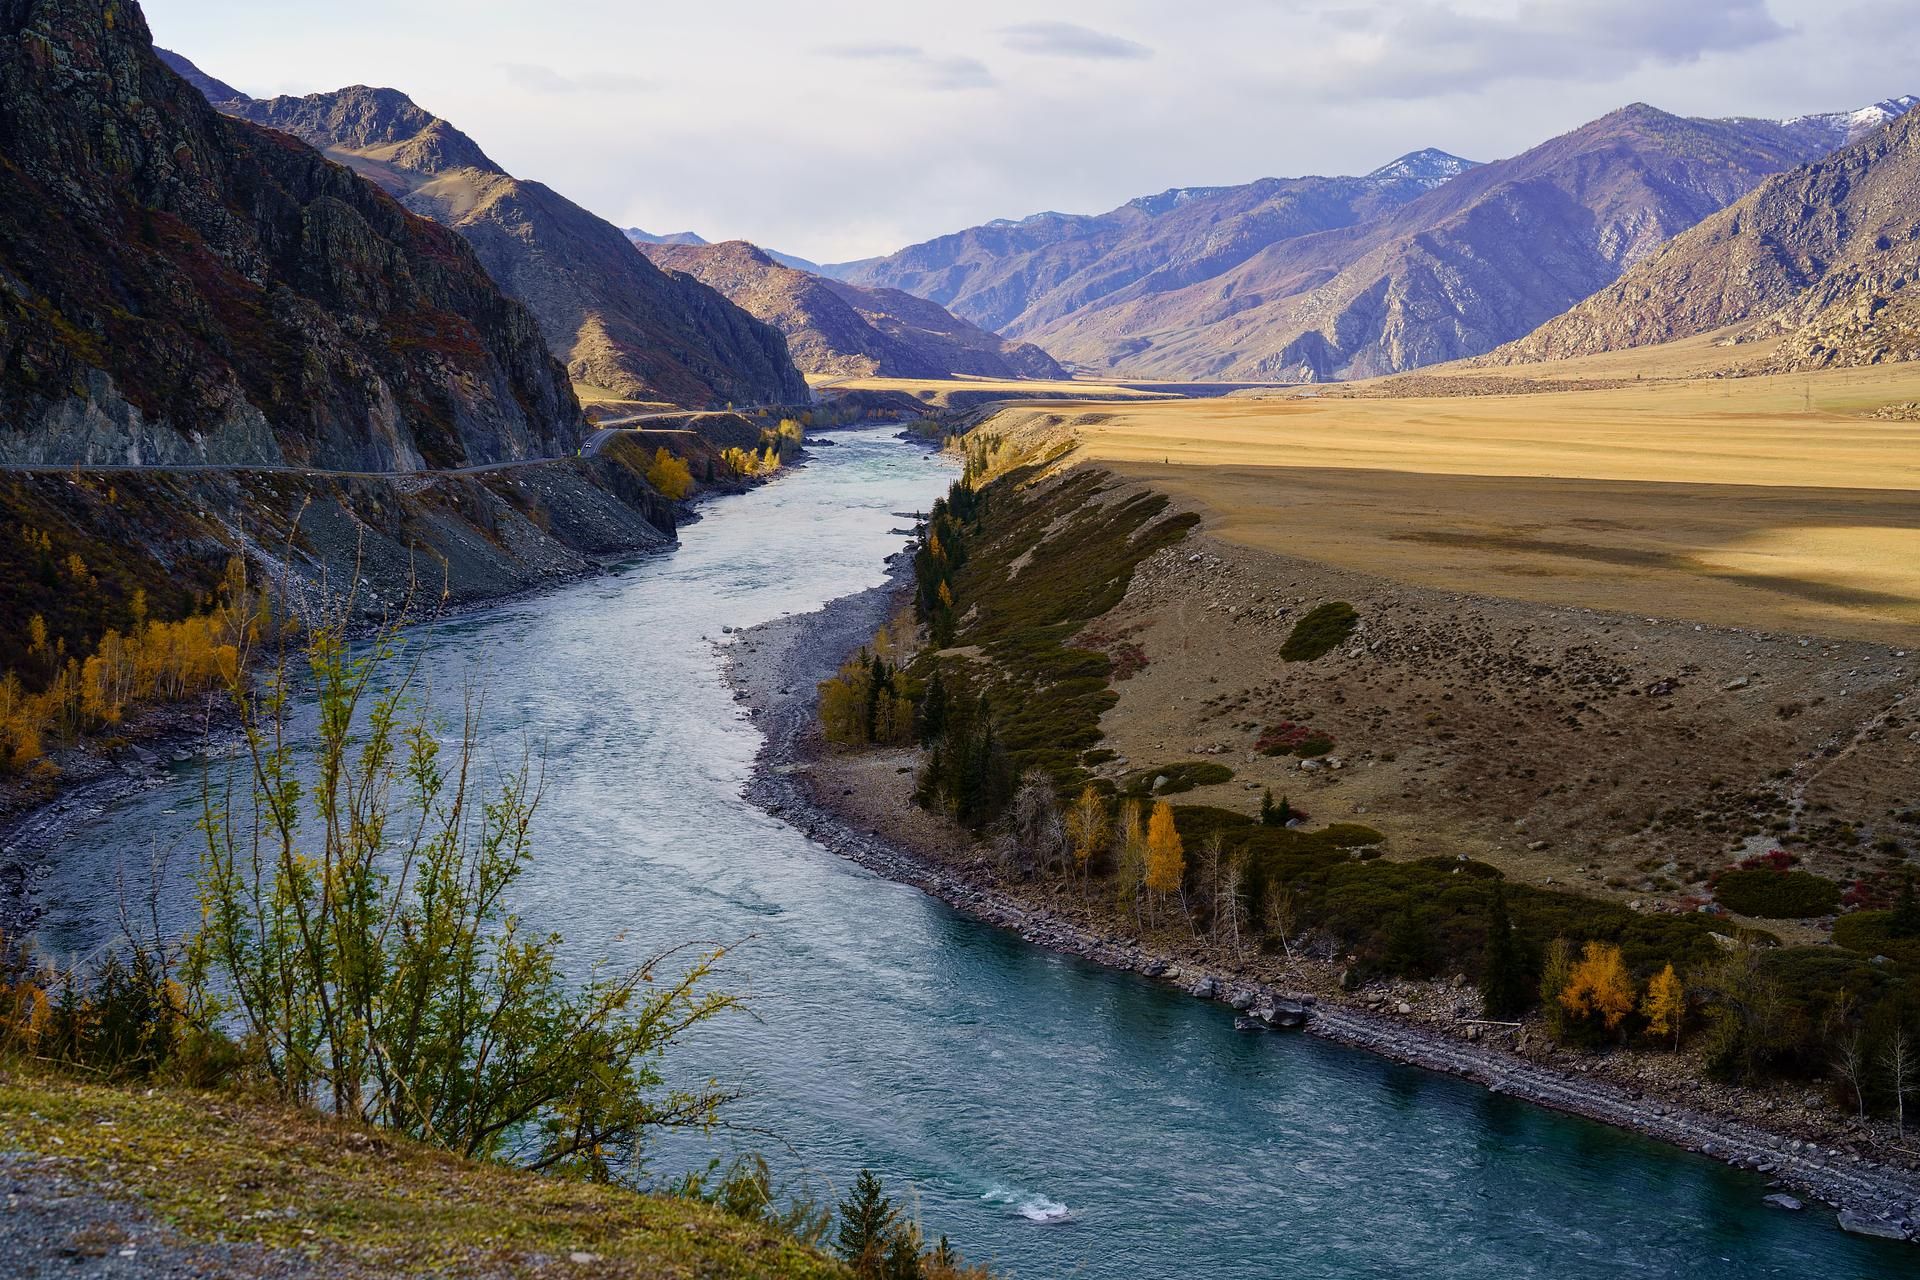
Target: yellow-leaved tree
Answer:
pixel 1665 1005
pixel 1599 986
pixel 1166 856
pixel 669 474
pixel 1087 828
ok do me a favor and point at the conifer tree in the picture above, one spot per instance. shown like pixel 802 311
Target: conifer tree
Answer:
pixel 867 1219
pixel 1503 981
pixel 1905 921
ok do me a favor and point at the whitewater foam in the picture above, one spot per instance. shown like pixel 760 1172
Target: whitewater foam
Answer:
pixel 1027 1204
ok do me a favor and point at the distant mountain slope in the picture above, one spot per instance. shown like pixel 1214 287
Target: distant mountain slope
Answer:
pixel 1476 262
pixel 1826 256
pixel 845 330
pixel 214 90
pixel 1022 277
pixel 1425 260
pixel 611 317
pixel 177 286
pixel 638 236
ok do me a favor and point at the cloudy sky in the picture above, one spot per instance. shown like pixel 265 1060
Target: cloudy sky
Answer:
pixel 840 128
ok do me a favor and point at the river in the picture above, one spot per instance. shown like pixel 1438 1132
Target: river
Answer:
pixel 1054 1118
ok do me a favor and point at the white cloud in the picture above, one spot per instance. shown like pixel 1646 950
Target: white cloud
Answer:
pixel 1071 40
pixel 934 71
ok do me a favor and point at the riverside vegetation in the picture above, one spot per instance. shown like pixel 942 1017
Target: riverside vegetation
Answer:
pixel 1005 704
pixel 358 958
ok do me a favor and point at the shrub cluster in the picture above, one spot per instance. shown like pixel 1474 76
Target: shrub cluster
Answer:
pixel 1320 632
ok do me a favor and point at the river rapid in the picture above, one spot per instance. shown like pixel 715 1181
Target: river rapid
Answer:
pixel 1054 1118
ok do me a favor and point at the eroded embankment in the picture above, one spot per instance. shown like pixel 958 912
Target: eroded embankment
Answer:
pixel 858 806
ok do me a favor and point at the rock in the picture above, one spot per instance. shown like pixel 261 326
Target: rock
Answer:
pixel 1403 1008
pixel 1205 989
pixel 1780 1200
pixel 1862 1224
pixel 1738 682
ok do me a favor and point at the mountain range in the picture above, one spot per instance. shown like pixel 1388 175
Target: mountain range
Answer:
pixel 842 330
pixel 1821 263
pixel 1427 259
pixel 617 323
pixel 176 285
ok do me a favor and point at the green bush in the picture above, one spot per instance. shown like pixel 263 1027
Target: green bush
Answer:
pixel 1179 777
pixel 1776 895
pixel 1350 835
pixel 1871 933
pixel 1320 632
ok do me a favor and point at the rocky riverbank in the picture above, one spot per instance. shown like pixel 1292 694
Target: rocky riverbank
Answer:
pixel 775 669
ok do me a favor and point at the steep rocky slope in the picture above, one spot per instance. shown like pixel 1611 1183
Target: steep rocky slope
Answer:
pixel 845 330
pixel 615 320
pixel 1823 259
pixel 179 286
pixel 1021 277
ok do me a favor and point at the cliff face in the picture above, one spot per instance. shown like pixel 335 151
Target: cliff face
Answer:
pixel 849 330
pixel 1821 260
pixel 614 319
pixel 177 286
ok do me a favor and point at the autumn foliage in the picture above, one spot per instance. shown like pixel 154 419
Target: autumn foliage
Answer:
pixel 1598 986
pixel 153 661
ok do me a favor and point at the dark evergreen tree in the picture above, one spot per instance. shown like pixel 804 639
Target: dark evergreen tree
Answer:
pixel 867 1221
pixel 1505 989
pixel 933 708
pixel 1409 950
pixel 1905 922
pixel 903 1256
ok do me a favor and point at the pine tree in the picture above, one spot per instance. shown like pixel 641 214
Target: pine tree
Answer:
pixel 867 1220
pixel 933 708
pixel 1269 816
pixel 1503 980
pixel 1905 921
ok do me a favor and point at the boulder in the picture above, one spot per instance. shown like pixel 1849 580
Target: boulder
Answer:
pixel 1862 1224
pixel 1780 1200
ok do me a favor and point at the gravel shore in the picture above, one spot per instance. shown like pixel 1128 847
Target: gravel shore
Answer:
pixel 775 668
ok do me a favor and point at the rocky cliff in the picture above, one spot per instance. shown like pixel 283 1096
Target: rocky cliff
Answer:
pixel 177 286
pixel 616 321
pixel 1820 264
pixel 848 330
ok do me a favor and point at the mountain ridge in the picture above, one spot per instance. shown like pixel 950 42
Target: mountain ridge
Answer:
pixel 837 329
pixel 614 320
pixel 1820 262
pixel 176 286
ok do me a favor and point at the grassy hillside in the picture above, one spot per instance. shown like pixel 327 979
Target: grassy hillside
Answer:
pixel 214 1168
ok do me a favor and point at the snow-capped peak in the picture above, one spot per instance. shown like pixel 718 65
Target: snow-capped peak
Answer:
pixel 1431 166
pixel 1849 125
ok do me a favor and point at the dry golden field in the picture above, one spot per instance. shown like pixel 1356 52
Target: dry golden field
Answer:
pixel 1762 502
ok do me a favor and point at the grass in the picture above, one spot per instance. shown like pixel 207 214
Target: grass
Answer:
pixel 217 1167
pixel 1044 562
pixel 1770 502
